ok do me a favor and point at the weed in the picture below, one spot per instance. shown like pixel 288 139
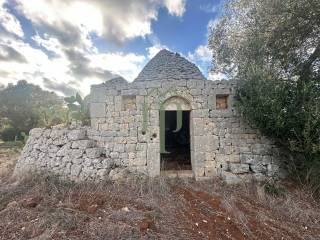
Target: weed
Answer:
pixel 273 188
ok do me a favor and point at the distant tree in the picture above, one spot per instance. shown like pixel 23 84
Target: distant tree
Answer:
pixel 20 105
pixel 273 49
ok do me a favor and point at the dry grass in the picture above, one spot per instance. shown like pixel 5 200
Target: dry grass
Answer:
pixel 45 207
pixel 8 158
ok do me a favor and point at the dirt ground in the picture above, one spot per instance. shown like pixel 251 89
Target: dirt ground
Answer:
pixel 47 208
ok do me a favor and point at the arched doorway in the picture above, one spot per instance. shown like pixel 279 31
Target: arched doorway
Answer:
pixel 175 144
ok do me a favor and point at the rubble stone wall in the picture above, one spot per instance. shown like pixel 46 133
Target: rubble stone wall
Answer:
pixel 68 153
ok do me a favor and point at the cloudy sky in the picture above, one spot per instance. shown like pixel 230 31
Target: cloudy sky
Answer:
pixel 68 45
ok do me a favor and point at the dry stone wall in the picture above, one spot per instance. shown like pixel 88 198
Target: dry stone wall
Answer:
pixel 68 153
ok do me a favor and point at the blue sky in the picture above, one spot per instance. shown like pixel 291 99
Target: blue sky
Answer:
pixel 65 46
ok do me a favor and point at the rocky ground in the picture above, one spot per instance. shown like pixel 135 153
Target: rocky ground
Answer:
pixel 47 208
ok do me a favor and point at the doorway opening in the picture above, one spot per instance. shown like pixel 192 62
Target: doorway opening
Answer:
pixel 177 143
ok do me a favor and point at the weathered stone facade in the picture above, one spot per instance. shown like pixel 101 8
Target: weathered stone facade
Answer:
pixel 221 143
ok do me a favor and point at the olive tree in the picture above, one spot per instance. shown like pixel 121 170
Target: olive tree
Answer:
pixel 273 49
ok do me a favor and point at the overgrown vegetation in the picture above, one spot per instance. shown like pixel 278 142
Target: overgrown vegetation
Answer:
pixel 54 115
pixel 273 48
pixel 78 108
pixel 21 108
pixel 25 106
pixel 45 207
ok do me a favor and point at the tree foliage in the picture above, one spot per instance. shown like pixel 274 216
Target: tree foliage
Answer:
pixel 273 49
pixel 53 115
pixel 20 105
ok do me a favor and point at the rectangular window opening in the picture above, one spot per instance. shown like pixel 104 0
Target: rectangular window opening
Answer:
pixel 222 101
pixel 128 102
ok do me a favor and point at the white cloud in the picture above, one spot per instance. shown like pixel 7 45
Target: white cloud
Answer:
pixel 202 57
pixel 216 76
pixel 156 46
pixel 153 50
pixel 126 65
pixel 115 20
pixel 65 57
pixel 56 73
pixel 201 53
pixel 176 7
pixel 9 22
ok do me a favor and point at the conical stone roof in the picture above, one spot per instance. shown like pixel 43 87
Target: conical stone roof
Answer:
pixel 169 66
pixel 116 80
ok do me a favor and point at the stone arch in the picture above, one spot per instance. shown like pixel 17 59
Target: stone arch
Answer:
pixel 172 103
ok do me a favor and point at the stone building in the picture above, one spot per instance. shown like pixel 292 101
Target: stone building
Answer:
pixel 169 121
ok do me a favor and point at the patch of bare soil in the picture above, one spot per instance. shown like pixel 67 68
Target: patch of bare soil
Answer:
pixel 48 208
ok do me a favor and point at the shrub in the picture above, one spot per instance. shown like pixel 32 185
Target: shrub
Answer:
pixel 78 108
pixel 9 134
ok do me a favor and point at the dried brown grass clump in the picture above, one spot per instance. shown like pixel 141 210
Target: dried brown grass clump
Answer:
pixel 8 159
pixel 46 207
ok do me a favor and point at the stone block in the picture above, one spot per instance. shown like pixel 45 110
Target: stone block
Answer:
pixel 199 172
pixel 222 158
pixel 97 110
pixel 98 95
pixel 234 158
pixel 60 141
pixel 210 156
pixel 239 168
pixel 196 92
pixel 107 163
pixel 245 149
pixel 250 158
pixel 139 161
pixel 114 155
pixel 78 134
pixel 83 144
pixel 200 113
pixel 132 155
pixel 58 133
pixel 131 147
pixel 119 148
pixel 75 153
pixel 272 170
pixel 258 168
pixel 94 152
pixel 266 159
pixel 75 170
pixel 210 172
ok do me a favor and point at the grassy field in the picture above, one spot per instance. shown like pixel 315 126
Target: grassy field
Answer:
pixel 47 208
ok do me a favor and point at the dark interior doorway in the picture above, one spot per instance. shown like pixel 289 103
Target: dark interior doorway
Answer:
pixel 177 144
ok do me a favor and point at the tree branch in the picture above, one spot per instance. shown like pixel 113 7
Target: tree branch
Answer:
pixel 305 66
